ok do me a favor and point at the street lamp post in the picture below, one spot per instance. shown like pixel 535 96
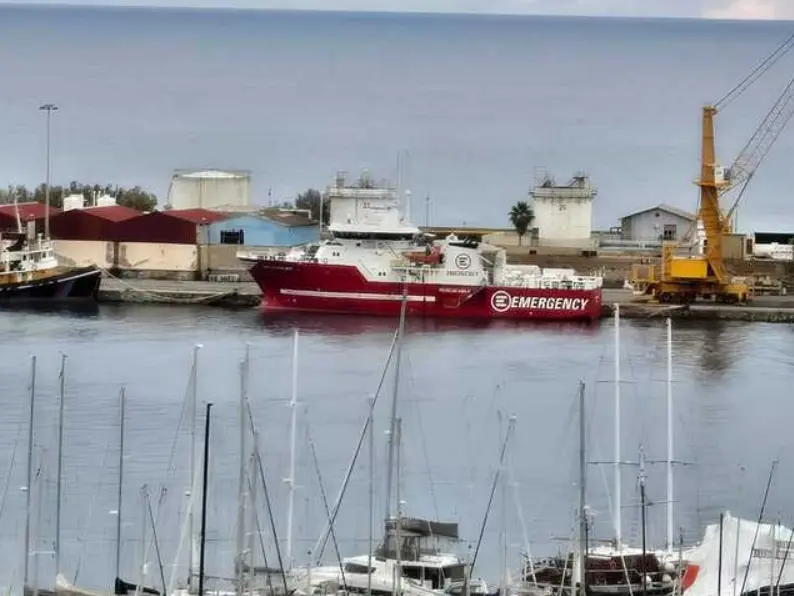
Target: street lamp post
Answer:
pixel 49 108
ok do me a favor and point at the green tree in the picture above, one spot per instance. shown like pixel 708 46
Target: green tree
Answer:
pixel 521 216
pixel 311 199
pixel 136 198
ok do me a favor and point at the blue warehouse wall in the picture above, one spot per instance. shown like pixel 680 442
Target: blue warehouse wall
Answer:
pixel 260 231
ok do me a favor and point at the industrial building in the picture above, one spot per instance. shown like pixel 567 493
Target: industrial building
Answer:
pixel 563 214
pixel 209 189
pixel 90 223
pixel 659 223
pixel 271 228
pixel 183 226
pixel 31 211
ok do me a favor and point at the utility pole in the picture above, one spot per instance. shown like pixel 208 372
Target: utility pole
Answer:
pixel 49 108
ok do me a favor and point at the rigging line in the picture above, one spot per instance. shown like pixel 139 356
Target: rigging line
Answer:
pixel 261 467
pixel 425 453
pixel 759 70
pixel 89 514
pixel 156 542
pixel 171 469
pixel 498 473
pixel 259 532
pixel 321 543
pixel 481 437
pixel 325 503
pixel 760 519
pixel 520 510
pixel 22 424
pixel 785 558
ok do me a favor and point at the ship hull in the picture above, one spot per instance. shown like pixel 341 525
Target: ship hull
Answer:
pixel 74 284
pixel 313 287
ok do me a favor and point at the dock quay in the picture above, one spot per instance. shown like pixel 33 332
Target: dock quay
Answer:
pixel 768 309
pixel 156 291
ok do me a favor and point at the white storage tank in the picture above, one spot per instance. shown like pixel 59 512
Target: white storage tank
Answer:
pixel 73 201
pixel 209 189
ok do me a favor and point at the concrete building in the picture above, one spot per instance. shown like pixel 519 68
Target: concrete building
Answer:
pixel 563 214
pixel 274 228
pixel 663 222
pixel 209 189
pixel 90 223
pixel 185 226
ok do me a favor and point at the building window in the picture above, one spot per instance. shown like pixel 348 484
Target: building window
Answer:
pixel 232 237
pixel 669 232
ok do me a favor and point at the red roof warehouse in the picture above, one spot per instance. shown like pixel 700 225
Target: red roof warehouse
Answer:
pixel 91 223
pixel 27 212
pixel 167 227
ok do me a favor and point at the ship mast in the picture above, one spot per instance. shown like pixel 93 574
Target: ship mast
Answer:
pixel 393 420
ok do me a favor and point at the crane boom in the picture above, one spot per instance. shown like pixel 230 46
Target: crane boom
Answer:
pixel 761 142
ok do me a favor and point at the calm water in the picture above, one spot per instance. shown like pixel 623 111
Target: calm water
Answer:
pixel 732 418
pixel 477 102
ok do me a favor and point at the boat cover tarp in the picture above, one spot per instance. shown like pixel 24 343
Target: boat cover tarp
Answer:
pixel 761 562
pixel 424 527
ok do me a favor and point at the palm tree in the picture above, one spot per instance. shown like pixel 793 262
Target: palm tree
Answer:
pixel 521 216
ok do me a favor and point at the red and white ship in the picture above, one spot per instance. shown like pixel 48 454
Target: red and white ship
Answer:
pixel 375 259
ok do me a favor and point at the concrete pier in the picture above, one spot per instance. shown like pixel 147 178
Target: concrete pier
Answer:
pixel 768 309
pixel 155 291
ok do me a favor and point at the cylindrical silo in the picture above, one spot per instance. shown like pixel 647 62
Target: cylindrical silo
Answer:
pixel 209 189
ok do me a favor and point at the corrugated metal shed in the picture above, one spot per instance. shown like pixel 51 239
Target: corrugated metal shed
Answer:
pixel 167 227
pixel 27 212
pixel 258 230
pixel 92 223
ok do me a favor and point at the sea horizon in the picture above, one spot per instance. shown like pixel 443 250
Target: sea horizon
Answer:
pixel 479 104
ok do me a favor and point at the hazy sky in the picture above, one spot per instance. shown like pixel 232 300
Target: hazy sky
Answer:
pixel 731 9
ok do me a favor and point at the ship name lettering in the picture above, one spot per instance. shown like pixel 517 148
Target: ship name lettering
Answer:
pixel 543 303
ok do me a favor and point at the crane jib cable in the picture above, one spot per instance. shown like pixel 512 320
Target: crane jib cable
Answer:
pixel 756 73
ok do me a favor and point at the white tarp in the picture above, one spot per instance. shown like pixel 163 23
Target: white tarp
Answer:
pixel 765 559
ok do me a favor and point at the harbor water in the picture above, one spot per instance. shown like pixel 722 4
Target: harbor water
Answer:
pixel 459 384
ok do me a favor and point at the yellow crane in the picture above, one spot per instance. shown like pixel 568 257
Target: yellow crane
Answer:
pixel 685 279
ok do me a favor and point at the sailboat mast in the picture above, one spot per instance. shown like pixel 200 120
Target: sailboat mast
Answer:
pixel 503 524
pixel 122 398
pixel 61 377
pixel 618 483
pixel 642 521
pixel 395 394
pixel 669 435
pixel 30 467
pixel 204 501
pixel 370 529
pixel 582 493
pixel 241 486
pixel 398 525
pixel 193 421
pixel 293 404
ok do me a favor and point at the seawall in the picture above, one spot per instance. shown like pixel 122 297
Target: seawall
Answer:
pixel 768 309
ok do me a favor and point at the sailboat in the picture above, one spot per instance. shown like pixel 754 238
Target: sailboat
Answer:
pixel 415 557
pixel 605 573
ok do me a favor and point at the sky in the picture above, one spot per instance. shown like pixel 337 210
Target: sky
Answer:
pixel 711 9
